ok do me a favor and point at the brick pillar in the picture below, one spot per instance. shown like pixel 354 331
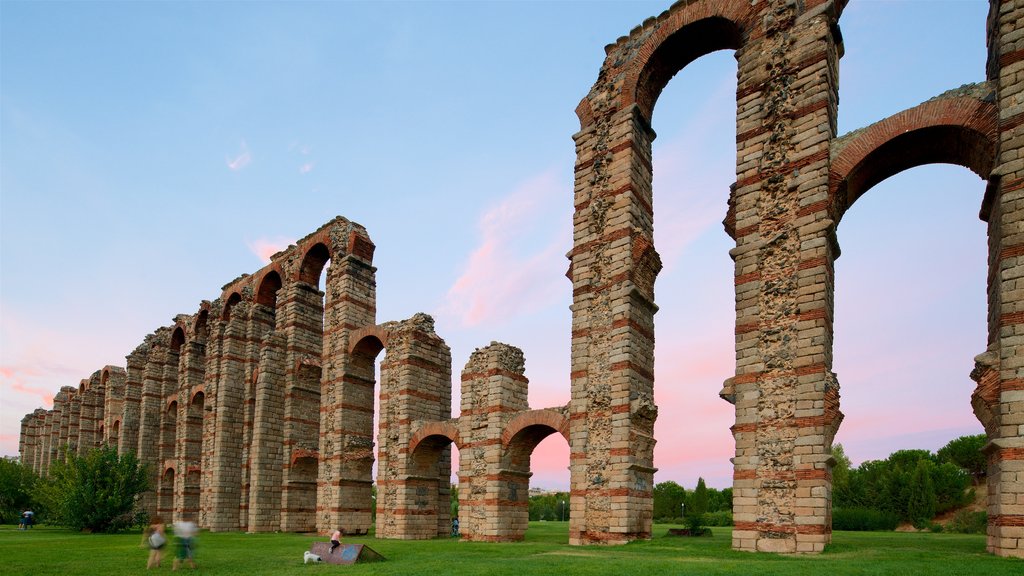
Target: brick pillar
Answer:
pixel 785 393
pixel 91 413
pixel 344 479
pixel 131 413
pixel 413 489
pixel 34 444
pixel 46 444
pixel 301 316
pixel 266 454
pixel 999 398
pixel 229 351
pixel 61 410
pixel 493 388
pixel 151 407
pixel 188 453
pixel 211 377
pixel 27 440
pixel 72 418
pixel 257 327
pixel 112 412
pixel 613 269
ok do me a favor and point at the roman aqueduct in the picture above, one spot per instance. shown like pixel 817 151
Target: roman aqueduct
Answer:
pixel 255 412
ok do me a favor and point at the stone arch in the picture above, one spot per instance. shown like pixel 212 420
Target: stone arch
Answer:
pixel 523 433
pixel 200 326
pixel 313 262
pixel 165 493
pixel 954 130
pixel 614 223
pixel 548 421
pixel 177 339
pixel 427 476
pixel 267 286
pixel 787 57
pixel 448 430
pixel 368 340
pixel 654 52
pixel 232 300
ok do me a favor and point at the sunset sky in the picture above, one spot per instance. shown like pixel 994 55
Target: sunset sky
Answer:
pixel 150 152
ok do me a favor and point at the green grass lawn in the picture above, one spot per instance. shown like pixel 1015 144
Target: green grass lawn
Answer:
pixel 44 550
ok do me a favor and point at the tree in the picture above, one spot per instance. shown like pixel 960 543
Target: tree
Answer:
pixel 921 495
pixel 668 499
pixel 16 485
pixel 454 504
pixel 697 507
pixel 966 453
pixel 96 492
pixel 840 475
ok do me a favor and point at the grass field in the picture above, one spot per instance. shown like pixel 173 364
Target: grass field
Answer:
pixel 44 550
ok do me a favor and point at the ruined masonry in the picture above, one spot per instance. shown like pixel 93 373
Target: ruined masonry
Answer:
pixel 255 412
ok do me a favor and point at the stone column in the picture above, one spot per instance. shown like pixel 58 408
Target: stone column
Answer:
pixel 72 418
pixel 413 488
pixel 613 268
pixel 300 318
pixel 131 413
pixel 191 369
pixel 226 474
pixel 46 444
pixel 344 479
pixel 494 387
pixel 112 411
pixel 998 400
pixel 150 415
pixel 61 410
pixel 267 446
pixel 785 393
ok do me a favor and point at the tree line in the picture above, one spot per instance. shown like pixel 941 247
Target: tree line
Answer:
pixel 99 492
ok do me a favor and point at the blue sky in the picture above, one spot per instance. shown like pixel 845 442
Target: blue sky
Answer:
pixel 152 151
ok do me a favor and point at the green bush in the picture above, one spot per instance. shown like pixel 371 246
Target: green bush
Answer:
pixel 16 486
pixel 96 492
pixel 967 522
pixel 719 518
pixel 863 519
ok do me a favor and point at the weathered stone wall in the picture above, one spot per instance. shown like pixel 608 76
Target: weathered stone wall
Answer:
pixel 256 412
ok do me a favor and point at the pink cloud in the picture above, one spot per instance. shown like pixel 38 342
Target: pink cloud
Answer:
pixel 508 274
pixel 264 248
pixel 240 160
pixel 306 168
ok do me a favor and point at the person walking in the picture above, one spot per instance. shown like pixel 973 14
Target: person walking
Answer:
pixel 185 532
pixel 155 538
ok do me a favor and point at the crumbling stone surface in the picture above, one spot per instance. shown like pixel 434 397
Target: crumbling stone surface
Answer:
pixel 256 411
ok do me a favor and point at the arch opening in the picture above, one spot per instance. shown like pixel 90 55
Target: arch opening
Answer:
pixel 436 500
pixel 165 495
pixel 313 264
pixel 928 145
pixel 679 50
pixel 234 299
pixel 266 294
pixel 910 311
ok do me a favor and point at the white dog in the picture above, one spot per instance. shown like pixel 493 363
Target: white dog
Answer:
pixel 308 557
